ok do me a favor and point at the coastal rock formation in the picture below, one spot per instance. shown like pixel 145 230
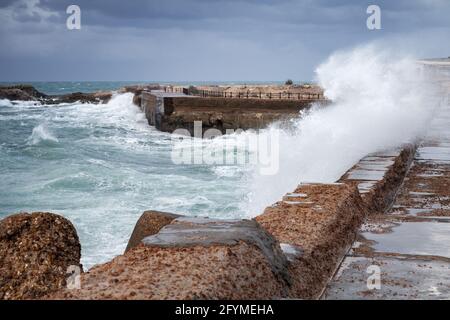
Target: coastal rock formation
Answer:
pixel 21 92
pixel 149 224
pixel 35 251
pixel 95 97
pixel 29 93
pixel 192 258
pixel 378 176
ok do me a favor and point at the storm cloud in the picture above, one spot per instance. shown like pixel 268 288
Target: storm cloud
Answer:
pixel 194 40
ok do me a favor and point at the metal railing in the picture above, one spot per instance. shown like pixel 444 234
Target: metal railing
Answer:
pixel 247 94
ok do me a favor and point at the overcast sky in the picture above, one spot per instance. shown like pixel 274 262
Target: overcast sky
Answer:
pixel 194 40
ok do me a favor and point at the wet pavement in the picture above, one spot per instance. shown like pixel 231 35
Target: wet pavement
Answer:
pixel 410 243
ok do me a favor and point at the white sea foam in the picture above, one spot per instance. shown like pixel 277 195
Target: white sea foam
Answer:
pixel 379 101
pixel 41 133
pixel 5 103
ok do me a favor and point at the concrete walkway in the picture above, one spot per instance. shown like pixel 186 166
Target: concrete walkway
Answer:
pixel 410 244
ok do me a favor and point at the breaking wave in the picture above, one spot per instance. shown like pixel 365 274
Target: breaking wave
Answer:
pixel 41 134
pixel 380 101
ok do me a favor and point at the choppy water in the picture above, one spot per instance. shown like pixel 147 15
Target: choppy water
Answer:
pixel 102 166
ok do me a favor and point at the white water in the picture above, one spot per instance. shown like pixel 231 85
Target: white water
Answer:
pixel 379 102
pixel 40 134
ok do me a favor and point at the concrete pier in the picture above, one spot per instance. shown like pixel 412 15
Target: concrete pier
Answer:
pixel 170 111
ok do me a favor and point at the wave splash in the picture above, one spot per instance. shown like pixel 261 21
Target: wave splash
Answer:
pixel 41 134
pixel 379 102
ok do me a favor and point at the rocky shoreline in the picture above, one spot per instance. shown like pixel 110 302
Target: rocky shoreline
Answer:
pixel 26 92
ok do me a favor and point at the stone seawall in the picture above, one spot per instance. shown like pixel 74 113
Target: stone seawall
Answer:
pixel 291 250
pixel 171 111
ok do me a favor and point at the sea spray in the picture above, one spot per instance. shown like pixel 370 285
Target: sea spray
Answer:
pixel 379 102
pixel 41 134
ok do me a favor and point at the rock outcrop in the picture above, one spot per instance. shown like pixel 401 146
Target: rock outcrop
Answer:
pixel 21 92
pixel 94 97
pixel 35 251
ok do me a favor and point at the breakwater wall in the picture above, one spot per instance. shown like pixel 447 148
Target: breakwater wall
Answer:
pixel 171 111
pixel 291 250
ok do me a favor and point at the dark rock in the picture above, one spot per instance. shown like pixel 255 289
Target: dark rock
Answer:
pixel 148 224
pixel 21 92
pixel 35 251
pixel 29 93
pixel 95 97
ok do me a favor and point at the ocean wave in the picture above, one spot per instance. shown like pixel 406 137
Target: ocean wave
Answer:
pixel 41 134
pixel 380 101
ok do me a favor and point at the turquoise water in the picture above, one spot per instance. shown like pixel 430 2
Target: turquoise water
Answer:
pixel 101 166
pixel 91 86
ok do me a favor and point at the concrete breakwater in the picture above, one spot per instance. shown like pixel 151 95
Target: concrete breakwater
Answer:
pixel 168 111
pixel 289 251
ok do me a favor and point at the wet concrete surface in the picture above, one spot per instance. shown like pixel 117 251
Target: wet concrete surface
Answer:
pixel 410 242
pixel 401 278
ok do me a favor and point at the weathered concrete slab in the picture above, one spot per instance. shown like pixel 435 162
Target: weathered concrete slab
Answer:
pixel 315 225
pixel 193 231
pixel 192 259
pixel 401 278
pixel 379 175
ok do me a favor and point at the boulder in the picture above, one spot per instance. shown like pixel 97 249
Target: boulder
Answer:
pixel 95 97
pixel 148 224
pixel 35 252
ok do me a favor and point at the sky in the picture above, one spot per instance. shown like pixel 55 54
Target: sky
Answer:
pixel 205 40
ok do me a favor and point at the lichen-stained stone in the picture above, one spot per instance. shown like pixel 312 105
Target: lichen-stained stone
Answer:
pixel 319 222
pixel 192 258
pixel 35 251
pixel 148 224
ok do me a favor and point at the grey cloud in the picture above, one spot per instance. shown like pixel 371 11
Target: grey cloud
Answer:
pixel 203 39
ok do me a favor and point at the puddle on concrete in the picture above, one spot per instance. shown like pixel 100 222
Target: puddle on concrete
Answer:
pixel 399 279
pixel 416 238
